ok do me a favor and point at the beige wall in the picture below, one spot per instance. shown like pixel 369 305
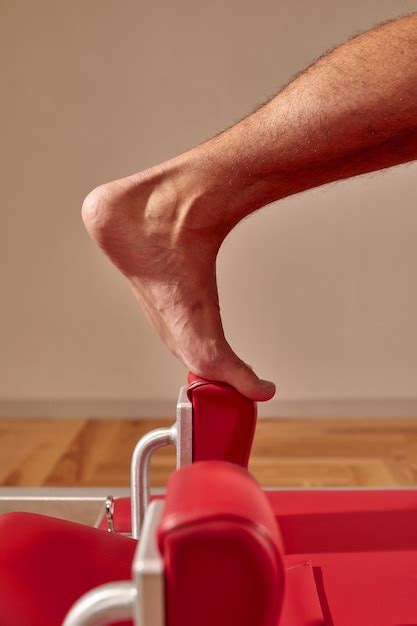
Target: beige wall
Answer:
pixel 318 291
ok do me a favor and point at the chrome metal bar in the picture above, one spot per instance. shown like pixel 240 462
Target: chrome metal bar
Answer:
pixel 104 605
pixel 184 429
pixel 148 571
pixel 140 471
pixel 181 435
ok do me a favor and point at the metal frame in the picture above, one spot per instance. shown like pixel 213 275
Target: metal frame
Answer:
pixel 184 426
pixel 148 571
pixel 142 599
pixel 104 605
pixel 180 435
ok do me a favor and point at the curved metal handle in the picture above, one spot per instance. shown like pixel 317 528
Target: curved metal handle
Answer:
pixel 140 601
pixel 140 471
pixel 181 435
pixel 107 604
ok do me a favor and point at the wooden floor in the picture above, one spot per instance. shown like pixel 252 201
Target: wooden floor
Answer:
pixel 303 453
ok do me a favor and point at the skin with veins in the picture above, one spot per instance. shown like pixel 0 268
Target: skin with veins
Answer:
pixel 353 111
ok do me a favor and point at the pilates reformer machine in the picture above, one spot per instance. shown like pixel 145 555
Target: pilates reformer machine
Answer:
pixel 215 549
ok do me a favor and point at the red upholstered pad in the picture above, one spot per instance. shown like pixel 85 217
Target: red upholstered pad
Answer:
pixel 361 549
pixel 46 564
pixel 311 501
pixel 221 548
pixel 309 519
pixel 302 602
pixel 224 422
pixel 364 588
pixel 346 521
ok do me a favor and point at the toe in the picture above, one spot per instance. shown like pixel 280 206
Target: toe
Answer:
pixel 228 368
pixel 245 380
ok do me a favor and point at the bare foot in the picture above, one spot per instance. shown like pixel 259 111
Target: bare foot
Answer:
pixel 160 228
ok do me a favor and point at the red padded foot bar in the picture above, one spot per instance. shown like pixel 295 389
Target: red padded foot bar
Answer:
pixel 224 422
pixel 224 425
pixel 222 549
pixel 46 564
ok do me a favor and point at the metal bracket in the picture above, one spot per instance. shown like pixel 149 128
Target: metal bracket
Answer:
pixel 109 511
pixel 184 427
pixel 180 435
pixel 103 605
pixel 142 599
pixel 148 571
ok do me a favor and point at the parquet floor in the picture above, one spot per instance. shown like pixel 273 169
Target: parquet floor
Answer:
pixel 293 452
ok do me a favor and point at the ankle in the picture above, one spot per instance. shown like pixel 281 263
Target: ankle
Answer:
pixel 210 200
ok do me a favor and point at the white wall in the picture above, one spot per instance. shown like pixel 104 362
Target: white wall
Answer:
pixel 318 291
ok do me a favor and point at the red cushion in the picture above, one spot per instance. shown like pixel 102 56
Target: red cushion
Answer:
pixel 222 549
pixel 224 422
pixel 46 564
pixel 364 588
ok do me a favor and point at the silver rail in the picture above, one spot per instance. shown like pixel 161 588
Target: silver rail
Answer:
pixel 104 605
pixel 142 600
pixel 141 460
pixel 180 435
pixel 148 571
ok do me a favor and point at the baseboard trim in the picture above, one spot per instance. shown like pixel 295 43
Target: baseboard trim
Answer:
pixel 153 408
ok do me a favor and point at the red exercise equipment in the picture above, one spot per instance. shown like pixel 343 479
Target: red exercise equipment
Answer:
pixel 216 549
